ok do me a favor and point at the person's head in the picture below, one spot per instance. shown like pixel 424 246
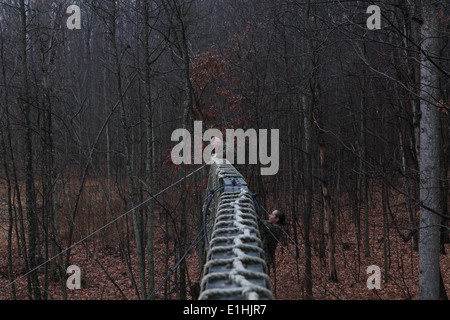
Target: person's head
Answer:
pixel 277 216
pixel 216 142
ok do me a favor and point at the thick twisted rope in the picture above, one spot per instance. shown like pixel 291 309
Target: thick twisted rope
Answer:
pixel 235 267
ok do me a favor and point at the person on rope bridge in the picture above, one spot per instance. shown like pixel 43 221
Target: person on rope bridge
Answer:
pixel 271 231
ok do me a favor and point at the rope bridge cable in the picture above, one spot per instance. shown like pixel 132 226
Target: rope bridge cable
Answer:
pixel 205 211
pixel 194 243
pixel 104 226
pixel 192 246
pixel 234 267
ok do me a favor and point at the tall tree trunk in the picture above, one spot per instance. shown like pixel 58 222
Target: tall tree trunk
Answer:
pixel 429 156
pixel 29 173
pixel 308 107
pixel 21 238
pixel 50 218
pixel 128 154
pixel 7 170
pixel 363 168
pixel 149 150
pixel 307 213
pixel 179 11
pixel 186 117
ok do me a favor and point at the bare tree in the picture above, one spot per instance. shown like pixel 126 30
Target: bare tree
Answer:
pixel 30 192
pixel 429 155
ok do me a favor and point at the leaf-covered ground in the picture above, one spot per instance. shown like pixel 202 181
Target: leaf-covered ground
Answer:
pixel 398 264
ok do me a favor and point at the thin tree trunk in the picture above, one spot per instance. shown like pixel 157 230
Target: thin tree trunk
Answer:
pixel 363 167
pixel 29 174
pixel 149 152
pixel 10 216
pixel 386 210
pixel 7 174
pixel 128 155
pixel 329 216
pixel 409 196
pixel 20 232
pixel 179 33
pixel 307 167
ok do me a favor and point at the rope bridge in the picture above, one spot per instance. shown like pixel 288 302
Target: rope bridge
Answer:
pixel 234 266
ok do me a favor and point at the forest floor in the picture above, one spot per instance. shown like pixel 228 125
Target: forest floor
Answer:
pixel 398 264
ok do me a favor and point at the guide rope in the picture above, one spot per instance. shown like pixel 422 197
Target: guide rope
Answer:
pixel 104 226
pixel 193 244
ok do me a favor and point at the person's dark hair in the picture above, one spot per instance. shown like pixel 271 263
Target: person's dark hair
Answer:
pixel 281 217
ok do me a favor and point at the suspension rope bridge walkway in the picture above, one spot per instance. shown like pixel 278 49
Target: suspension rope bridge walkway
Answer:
pixel 234 267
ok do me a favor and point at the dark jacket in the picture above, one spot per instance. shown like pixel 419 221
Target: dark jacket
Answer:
pixel 270 236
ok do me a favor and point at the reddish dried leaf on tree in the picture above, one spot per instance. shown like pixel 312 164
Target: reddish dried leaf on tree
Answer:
pixel 213 80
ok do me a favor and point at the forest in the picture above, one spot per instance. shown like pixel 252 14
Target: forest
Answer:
pixel 91 92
